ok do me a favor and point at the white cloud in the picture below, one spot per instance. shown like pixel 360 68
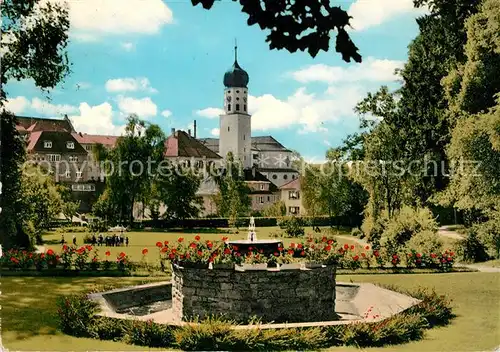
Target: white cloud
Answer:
pixel 166 113
pixel 48 109
pixel 129 85
pixel 89 17
pixel 210 113
pixel 370 13
pixel 83 85
pixel 17 105
pixel 96 120
pixel 144 107
pixel 84 37
pixel 127 46
pixel 215 132
pixel 370 70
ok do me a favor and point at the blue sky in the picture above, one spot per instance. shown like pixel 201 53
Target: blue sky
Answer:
pixel 165 60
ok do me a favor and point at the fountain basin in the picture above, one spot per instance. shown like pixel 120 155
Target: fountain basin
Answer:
pixel 292 296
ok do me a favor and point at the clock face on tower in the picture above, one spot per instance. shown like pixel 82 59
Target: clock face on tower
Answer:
pixel 228 99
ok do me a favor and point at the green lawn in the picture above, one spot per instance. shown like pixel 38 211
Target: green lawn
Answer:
pixel 29 318
pixel 148 239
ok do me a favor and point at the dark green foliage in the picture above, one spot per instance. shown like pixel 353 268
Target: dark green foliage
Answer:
pixel 76 318
pixel 293 226
pixel 76 315
pixel 471 249
pixel 299 25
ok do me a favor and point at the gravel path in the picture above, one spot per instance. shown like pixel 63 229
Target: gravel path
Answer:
pixel 446 232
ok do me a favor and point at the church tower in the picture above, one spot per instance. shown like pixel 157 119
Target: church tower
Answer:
pixel 235 123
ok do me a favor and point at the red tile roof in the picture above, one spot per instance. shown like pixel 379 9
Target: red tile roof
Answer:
pixel 183 145
pixel 34 124
pixel 293 184
pixel 84 138
pixel 32 139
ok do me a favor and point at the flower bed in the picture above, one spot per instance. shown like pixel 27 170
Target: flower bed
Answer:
pixel 219 255
pixel 77 317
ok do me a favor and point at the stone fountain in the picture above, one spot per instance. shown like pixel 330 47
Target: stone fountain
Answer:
pixel 268 246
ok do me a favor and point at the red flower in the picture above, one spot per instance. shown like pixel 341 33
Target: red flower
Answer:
pixel 346 246
pixel 356 258
pixel 376 253
pixel 94 260
pixel 250 248
pixel 192 245
pixel 290 252
pixel 227 251
pixel 108 253
pixel 165 243
pixel 276 254
pixel 323 239
pixel 418 261
pixel 328 248
pixel 89 247
pixel 409 255
pixel 419 255
pixel 209 245
pixel 180 239
pixel 197 238
pixel 200 253
pixel 450 259
pixel 224 239
pixel 452 254
pixel 238 254
pixel 330 241
pixel 367 247
pixel 302 253
pixel 433 255
pixel 235 248
pixel 395 256
pixel 50 252
pixel 171 256
pixel 300 246
pixel 145 251
pixel 363 254
pixel 174 250
pixel 122 255
pixel 292 245
pixel 159 244
pixel 352 247
pixel 65 248
pixel 164 250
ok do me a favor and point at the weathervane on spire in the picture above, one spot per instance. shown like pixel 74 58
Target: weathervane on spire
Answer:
pixel 235 50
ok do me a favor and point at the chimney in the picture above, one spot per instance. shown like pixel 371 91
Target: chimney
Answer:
pixel 173 131
pixel 189 132
pixel 194 127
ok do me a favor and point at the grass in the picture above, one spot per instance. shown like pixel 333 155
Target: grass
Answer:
pixel 29 319
pixel 147 239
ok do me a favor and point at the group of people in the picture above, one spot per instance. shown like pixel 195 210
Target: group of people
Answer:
pixel 100 240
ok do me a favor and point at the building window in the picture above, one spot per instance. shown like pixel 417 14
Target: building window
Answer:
pixel 228 128
pixel 88 147
pixel 70 145
pixel 275 177
pixel 268 198
pixel 67 174
pixel 293 210
pixel 237 91
pixel 261 199
pixel 293 177
pixel 237 107
pixel 285 177
pixel 293 194
pixel 47 144
pixel 78 174
pixel 243 137
pixel 73 158
pixel 54 157
pixel 262 187
pixel 237 98
pixel 245 107
pixel 228 107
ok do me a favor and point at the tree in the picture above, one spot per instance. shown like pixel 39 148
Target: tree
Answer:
pixel 275 210
pixel 36 51
pixel 130 167
pixel 299 25
pixel 42 202
pixel 69 208
pixel 233 199
pixel 177 191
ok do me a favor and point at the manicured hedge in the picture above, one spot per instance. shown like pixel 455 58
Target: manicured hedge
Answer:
pixel 77 318
pixel 243 222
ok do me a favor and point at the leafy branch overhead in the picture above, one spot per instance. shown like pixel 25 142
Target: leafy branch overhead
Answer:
pixel 299 25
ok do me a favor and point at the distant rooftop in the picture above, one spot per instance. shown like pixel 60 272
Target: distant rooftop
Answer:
pixel 35 124
pixel 181 144
pixel 259 143
pixel 105 140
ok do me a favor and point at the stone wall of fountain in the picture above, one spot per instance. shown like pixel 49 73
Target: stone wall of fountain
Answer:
pixel 299 295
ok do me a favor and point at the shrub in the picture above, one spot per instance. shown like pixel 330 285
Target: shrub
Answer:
pixel 471 249
pixel 76 315
pixel 356 232
pixel 211 335
pixel 148 334
pixel 425 242
pixel 293 226
pixel 406 224
pixel 489 233
pixel 372 229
